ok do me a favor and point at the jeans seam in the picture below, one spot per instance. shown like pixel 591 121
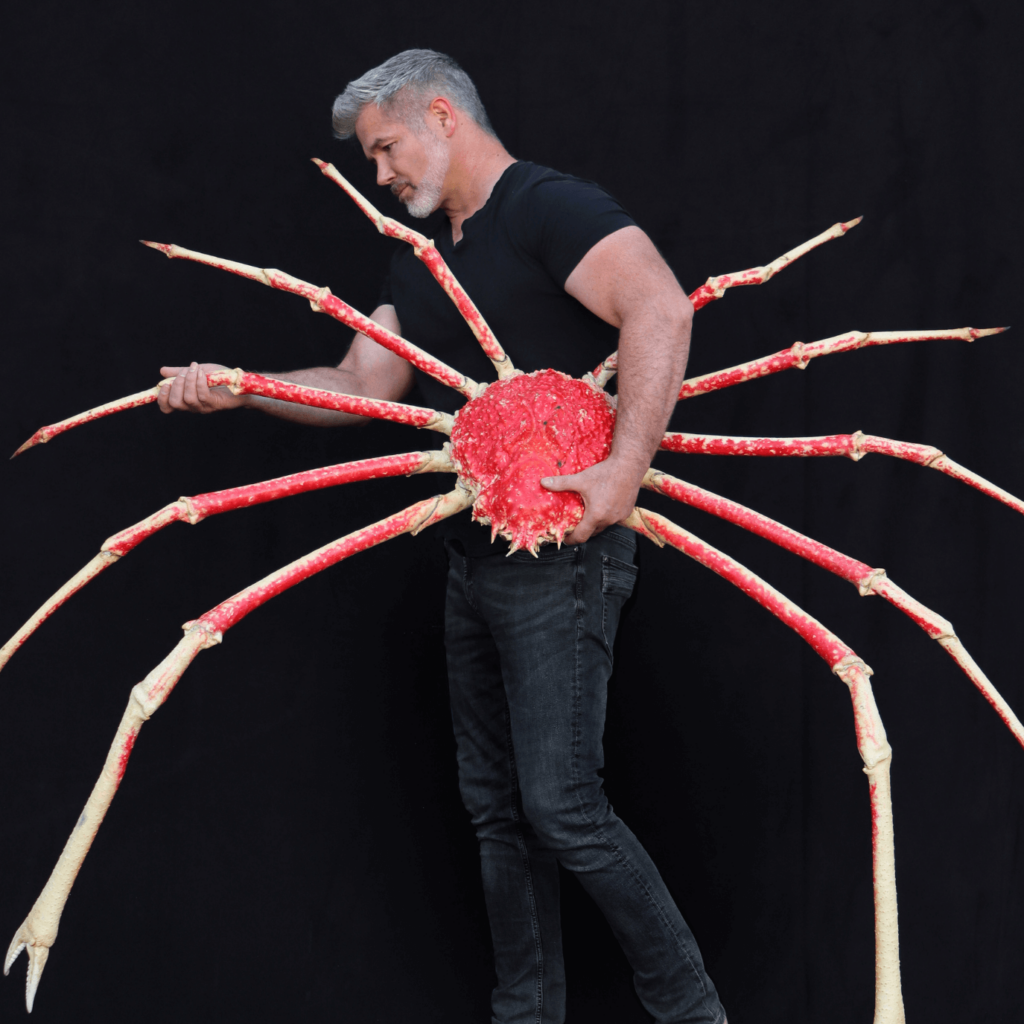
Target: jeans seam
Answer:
pixel 605 559
pixel 538 943
pixel 467 585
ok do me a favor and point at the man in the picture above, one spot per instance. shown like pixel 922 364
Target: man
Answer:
pixel 562 275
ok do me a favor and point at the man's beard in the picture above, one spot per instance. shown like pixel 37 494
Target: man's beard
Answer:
pixel 427 194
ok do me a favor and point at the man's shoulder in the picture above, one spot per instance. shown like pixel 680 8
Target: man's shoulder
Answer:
pixel 528 180
pixel 538 198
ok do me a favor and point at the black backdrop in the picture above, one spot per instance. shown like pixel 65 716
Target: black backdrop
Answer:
pixel 288 842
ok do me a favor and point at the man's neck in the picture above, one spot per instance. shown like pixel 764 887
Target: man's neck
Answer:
pixel 471 178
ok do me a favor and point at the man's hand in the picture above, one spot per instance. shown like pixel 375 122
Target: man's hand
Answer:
pixel 186 390
pixel 609 491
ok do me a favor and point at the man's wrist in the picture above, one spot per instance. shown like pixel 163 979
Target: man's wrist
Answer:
pixel 629 464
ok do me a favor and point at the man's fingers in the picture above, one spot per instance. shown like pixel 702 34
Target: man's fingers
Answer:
pixel 163 396
pixel 560 483
pixel 175 393
pixel 583 529
pixel 203 392
pixel 608 493
pixel 189 396
pixel 186 389
pixel 589 526
pixel 578 536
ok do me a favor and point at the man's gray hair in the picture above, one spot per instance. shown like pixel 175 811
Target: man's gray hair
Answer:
pixel 419 71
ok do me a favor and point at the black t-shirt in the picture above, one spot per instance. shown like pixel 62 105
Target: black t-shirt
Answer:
pixel 513 259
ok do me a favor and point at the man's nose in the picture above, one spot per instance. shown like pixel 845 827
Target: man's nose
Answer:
pixel 385 175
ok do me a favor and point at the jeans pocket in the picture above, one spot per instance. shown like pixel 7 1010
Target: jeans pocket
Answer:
pixel 617 580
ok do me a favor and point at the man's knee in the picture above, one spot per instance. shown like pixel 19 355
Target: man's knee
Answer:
pixel 563 818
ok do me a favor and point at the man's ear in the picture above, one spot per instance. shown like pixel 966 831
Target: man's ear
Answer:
pixel 445 114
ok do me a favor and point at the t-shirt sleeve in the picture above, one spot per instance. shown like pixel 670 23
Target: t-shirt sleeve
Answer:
pixel 385 299
pixel 560 221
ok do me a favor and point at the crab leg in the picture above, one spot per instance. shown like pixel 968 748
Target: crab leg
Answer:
pixel 427 253
pixel 854 446
pixel 715 287
pixel 38 932
pixel 866 579
pixel 194 509
pixel 799 355
pixel 871 740
pixel 323 301
pixel 241 382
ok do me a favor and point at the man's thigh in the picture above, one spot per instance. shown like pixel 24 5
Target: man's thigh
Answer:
pixel 552 620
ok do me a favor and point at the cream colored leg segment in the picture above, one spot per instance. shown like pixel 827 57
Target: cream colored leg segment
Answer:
pixel 877 755
pixel 95 566
pixel 38 932
pixel 871 741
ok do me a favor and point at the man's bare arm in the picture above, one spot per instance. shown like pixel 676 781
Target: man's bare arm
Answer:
pixel 368 369
pixel 624 280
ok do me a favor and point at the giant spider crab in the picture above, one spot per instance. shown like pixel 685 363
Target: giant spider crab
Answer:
pixel 508 435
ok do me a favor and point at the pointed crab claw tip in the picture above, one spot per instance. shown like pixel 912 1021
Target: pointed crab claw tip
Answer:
pixel 12 954
pixel 320 163
pixel 852 223
pixel 37 956
pixel 30 443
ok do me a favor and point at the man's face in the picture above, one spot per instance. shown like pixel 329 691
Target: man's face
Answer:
pixel 412 163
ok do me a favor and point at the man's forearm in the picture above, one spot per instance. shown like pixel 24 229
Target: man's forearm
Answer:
pixel 327 379
pixel 625 281
pixel 653 349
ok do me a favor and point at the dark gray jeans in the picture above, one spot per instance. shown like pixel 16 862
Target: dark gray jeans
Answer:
pixel 529 644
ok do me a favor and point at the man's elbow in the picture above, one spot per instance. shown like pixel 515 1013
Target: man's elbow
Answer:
pixel 683 312
pixel 664 312
pixel 675 313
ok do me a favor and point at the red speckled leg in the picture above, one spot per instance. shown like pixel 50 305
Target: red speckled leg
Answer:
pixel 242 383
pixel 871 740
pixel 866 579
pixel 38 932
pixel 428 254
pixel 799 355
pixel 323 301
pixel 192 510
pixel 854 446
pixel 715 287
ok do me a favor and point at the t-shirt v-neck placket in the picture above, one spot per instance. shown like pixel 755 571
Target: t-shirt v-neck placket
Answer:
pixel 492 201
